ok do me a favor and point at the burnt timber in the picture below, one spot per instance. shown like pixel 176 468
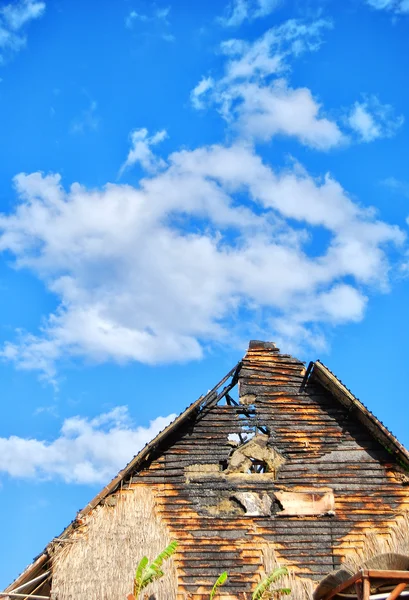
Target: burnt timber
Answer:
pixel 293 460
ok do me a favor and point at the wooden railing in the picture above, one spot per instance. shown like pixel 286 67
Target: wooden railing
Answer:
pixel 364 580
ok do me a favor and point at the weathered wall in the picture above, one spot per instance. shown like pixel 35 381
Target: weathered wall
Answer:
pixel 324 450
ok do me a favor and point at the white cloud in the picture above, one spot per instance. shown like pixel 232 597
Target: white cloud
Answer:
pixel 396 6
pixel 371 120
pixel 13 19
pixel 257 101
pixel 260 112
pixel 363 123
pixel 298 327
pixel 203 251
pixel 141 152
pixel 239 11
pixel 197 94
pixel 87 450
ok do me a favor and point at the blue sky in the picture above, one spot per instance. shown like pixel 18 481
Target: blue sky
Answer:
pixel 177 178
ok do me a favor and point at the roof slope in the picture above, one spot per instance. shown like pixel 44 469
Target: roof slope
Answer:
pixel 316 373
pixel 203 403
pixel 321 374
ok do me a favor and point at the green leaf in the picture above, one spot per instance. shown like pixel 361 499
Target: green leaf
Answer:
pixel 165 554
pixel 147 573
pixel 139 575
pixel 141 567
pixel 267 581
pixel 219 582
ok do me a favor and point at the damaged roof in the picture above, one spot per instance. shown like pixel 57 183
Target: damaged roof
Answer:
pixel 315 373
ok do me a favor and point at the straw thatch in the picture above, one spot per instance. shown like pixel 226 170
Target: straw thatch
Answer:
pixel 331 581
pixel 396 541
pixel 301 588
pixel 390 551
pixel 100 559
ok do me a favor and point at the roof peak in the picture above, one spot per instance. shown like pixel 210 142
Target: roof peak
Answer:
pixel 259 345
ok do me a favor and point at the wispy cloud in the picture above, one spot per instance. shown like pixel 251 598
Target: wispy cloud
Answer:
pixel 162 13
pixel 270 53
pixel 198 94
pixel 371 120
pixel 238 11
pixel 141 152
pixel 157 17
pixel 254 96
pixel 87 121
pixel 135 16
pixel 14 18
pixel 87 451
pixel 396 185
pixel 396 6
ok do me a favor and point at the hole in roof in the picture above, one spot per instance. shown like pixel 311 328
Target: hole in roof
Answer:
pixel 258 466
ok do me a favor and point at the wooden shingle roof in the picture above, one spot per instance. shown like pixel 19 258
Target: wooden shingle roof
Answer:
pixel 316 373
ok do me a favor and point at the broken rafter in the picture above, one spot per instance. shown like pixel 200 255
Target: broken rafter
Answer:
pixel 249 413
pixel 210 399
pixel 230 401
pixel 13 595
pixel 38 564
pixel 30 582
